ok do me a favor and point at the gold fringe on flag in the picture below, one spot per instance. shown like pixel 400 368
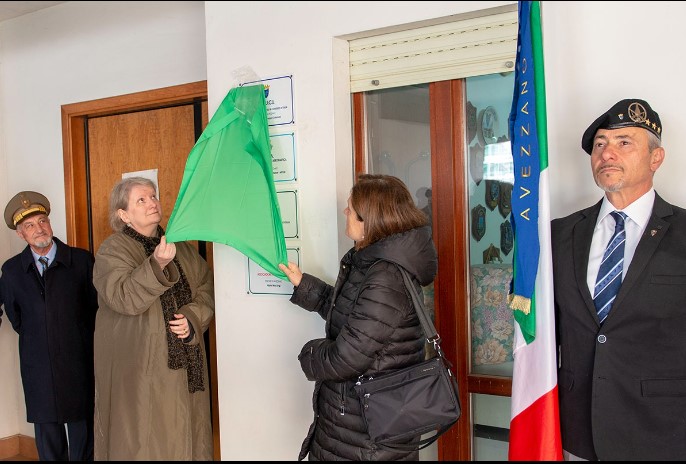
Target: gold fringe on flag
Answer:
pixel 518 302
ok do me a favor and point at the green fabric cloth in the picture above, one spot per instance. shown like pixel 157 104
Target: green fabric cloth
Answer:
pixel 227 194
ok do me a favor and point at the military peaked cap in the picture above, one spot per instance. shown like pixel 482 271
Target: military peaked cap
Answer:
pixel 25 204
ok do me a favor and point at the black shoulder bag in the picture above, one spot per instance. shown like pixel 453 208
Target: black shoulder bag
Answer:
pixel 412 401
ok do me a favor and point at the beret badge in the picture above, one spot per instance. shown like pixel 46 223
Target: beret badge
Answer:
pixel 637 113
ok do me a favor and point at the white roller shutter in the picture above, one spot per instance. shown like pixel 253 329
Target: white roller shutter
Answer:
pixel 454 50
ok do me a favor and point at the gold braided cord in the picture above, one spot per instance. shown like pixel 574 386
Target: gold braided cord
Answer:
pixel 34 209
pixel 519 303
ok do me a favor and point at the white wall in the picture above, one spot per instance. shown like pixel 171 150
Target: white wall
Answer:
pixel 73 52
pixel 265 400
pixel 596 54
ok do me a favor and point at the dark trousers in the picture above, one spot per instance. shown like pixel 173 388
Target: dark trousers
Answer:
pixel 51 441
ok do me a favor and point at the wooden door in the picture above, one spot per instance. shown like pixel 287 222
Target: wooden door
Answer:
pixel 103 139
pixel 155 139
pixel 126 132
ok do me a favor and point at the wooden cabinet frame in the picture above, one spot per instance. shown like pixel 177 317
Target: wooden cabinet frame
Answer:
pixel 451 236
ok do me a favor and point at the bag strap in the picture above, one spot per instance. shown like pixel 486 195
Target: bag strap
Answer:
pixel 418 303
pixel 427 324
pixel 420 445
pixel 433 338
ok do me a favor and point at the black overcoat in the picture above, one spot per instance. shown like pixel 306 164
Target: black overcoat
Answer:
pixel 55 323
pixel 371 327
pixel 622 385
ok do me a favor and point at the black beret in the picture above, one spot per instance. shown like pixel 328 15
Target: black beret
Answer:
pixel 23 205
pixel 626 113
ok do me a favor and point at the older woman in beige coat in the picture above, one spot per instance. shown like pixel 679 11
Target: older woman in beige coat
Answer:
pixel 156 300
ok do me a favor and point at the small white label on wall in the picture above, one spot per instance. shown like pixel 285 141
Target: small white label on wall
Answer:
pixel 148 174
pixel 264 282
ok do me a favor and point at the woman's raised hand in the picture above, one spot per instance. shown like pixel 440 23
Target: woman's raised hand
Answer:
pixel 164 252
pixel 293 272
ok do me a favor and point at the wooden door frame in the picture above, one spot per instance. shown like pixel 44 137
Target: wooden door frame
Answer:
pixel 74 117
pixel 76 176
pixel 451 288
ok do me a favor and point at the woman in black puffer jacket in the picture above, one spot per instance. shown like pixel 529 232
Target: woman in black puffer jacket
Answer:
pixel 371 324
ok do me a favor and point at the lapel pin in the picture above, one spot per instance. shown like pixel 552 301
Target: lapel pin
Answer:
pixel 653 232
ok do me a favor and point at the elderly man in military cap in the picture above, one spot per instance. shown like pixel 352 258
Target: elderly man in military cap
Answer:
pixel 620 299
pixel 51 303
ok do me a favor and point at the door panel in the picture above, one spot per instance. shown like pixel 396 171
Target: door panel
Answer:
pixel 153 139
pixel 75 119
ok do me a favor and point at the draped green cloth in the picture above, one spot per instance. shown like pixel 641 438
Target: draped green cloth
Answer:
pixel 227 194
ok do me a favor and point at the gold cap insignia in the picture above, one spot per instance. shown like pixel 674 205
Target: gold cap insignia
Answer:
pixel 637 112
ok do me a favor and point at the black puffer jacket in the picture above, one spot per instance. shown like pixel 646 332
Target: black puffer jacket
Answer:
pixel 371 326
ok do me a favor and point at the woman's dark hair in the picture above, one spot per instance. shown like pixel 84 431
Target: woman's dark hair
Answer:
pixel 386 207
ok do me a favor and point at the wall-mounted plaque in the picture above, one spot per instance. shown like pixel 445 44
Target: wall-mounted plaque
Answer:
pixel 492 254
pixel 488 126
pixel 476 163
pixel 278 96
pixel 505 202
pixel 283 156
pixel 471 122
pixel 492 193
pixel 288 204
pixel 264 282
pixel 478 222
pixel 506 237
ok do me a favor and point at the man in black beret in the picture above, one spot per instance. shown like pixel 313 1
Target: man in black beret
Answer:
pixel 51 303
pixel 619 270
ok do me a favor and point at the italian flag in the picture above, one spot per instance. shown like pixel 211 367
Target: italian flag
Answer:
pixel 534 425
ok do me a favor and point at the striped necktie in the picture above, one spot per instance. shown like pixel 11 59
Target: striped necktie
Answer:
pixel 44 264
pixel 610 273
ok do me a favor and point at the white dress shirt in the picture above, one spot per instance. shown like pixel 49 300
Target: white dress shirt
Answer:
pixel 638 213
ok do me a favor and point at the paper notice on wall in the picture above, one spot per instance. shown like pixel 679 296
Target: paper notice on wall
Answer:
pixel 148 174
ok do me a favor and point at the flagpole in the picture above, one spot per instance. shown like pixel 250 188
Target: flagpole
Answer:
pixel 534 427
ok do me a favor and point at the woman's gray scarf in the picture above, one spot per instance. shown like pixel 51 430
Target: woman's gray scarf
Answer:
pixel 181 355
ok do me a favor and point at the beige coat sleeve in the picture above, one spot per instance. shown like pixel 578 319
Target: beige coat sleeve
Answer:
pixel 201 280
pixel 125 277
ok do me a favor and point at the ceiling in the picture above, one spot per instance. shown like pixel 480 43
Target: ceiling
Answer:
pixel 9 10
